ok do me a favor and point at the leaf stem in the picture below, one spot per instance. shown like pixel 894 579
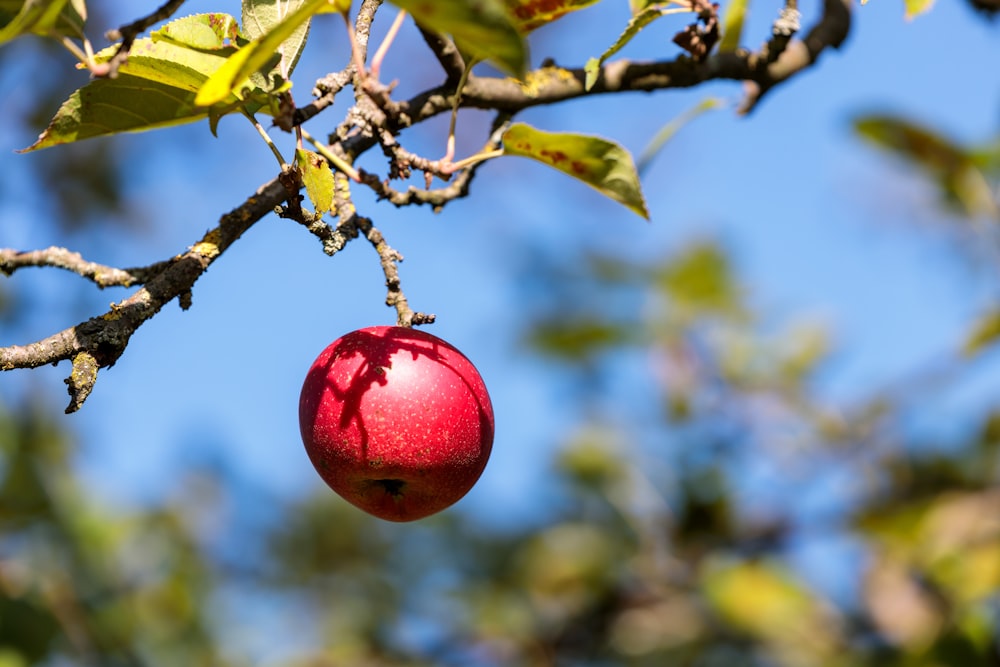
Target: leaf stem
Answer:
pixel 474 159
pixel 267 138
pixel 450 148
pixel 337 162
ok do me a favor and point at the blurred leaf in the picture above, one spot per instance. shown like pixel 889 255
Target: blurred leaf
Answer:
pixel 954 168
pixel 700 279
pixel 732 25
pixel 50 18
pixel 278 48
pixel 483 29
pixel 209 32
pixel 984 333
pixel 531 14
pixel 317 178
pixel 591 460
pixel 667 132
pixel 601 164
pixel 764 600
pixel 567 566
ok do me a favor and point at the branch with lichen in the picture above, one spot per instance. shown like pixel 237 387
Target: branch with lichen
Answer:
pixel 103 276
pixel 389 258
pixel 376 119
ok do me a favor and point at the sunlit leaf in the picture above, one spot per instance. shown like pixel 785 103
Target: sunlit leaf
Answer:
pixel 763 599
pixel 279 47
pixel 732 25
pixel 484 29
pixel 124 104
pixel 155 88
pixel 700 279
pixel 577 338
pixel 640 20
pixel 209 32
pixel 531 14
pixel 317 178
pixel 42 17
pixel 601 164
pixel 915 8
pixel 955 169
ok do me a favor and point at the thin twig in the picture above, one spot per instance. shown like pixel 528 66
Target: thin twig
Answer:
pixel 128 34
pixel 101 275
pixel 389 258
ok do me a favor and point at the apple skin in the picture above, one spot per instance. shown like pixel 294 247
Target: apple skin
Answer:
pixel 396 421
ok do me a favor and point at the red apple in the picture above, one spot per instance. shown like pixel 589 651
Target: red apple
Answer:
pixel 396 421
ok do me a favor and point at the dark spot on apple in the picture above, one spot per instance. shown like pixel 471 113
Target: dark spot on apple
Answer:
pixel 394 487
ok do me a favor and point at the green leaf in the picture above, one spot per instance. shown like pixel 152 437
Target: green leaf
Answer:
pixel 601 164
pixel 317 178
pixel 531 14
pixel 763 599
pixel 644 17
pixel 125 104
pixel 700 280
pixel 155 88
pixel 279 46
pixel 206 32
pixel 732 25
pixel 42 17
pixel 484 29
pixel 915 8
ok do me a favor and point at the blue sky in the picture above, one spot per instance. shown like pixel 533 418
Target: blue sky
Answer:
pixel 820 226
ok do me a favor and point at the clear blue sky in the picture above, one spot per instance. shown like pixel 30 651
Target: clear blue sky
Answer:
pixel 820 226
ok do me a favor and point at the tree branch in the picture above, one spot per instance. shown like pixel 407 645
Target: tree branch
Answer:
pixel 388 257
pixel 102 339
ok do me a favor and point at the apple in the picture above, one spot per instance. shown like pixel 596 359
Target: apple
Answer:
pixel 396 421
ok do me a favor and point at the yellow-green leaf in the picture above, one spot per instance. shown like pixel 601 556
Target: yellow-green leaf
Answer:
pixel 155 88
pixel 280 45
pixel 601 164
pixel 531 14
pixel 208 32
pixel 763 599
pixel 42 17
pixel 484 29
pixel 954 168
pixel 317 178
pixel 732 25
pixel 915 8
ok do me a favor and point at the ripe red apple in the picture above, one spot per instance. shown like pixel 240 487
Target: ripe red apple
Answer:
pixel 396 421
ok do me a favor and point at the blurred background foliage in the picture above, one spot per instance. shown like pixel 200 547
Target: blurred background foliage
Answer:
pixel 670 539
pixel 675 524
